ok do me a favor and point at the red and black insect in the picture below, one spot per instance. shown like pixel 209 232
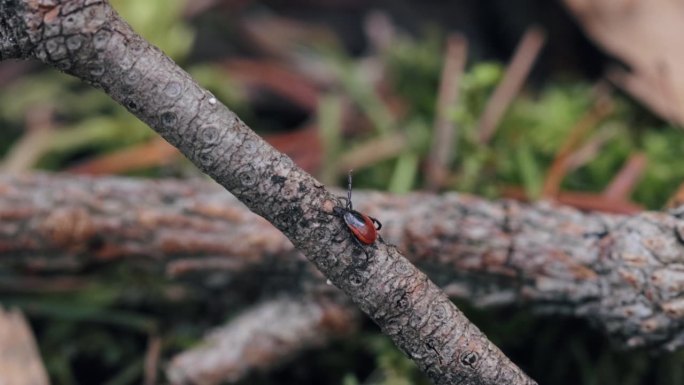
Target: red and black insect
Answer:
pixel 364 228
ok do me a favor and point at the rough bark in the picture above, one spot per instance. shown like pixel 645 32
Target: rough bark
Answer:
pixel 624 273
pixel 86 38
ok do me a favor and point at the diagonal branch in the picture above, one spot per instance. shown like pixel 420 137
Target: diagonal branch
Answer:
pixel 87 38
pixel 517 71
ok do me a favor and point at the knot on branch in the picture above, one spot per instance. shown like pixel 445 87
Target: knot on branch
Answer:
pixel 470 358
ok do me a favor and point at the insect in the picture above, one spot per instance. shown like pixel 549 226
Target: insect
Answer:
pixel 364 228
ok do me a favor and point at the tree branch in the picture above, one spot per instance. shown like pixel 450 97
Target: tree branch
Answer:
pixel 86 38
pixel 624 273
pixel 20 362
pixel 250 342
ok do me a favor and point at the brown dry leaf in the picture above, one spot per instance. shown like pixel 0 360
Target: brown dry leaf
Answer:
pixel 645 35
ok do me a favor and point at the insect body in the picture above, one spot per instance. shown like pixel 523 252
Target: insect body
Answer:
pixel 364 228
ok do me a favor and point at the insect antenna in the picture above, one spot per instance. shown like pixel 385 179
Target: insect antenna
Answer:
pixel 349 190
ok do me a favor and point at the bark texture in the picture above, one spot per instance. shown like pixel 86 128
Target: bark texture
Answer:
pixel 624 273
pixel 86 38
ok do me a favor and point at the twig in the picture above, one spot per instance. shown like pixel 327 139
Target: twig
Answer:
pixel 590 148
pixel 282 38
pixel 601 108
pixel 445 135
pixel 622 184
pixel 20 362
pixel 380 30
pixel 154 344
pixel 372 151
pixel 514 77
pixel 198 7
pixel 38 134
pixel 261 338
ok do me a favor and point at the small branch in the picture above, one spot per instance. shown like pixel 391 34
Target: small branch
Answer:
pixel 602 107
pixel 372 151
pixel 154 344
pixel 20 362
pixel 262 338
pixel 623 183
pixel 514 78
pixel 590 149
pixel 39 132
pixel 444 139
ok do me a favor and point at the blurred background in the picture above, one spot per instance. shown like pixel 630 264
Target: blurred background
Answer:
pixel 523 99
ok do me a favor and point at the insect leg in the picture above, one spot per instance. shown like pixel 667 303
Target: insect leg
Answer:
pixel 361 246
pixel 376 222
pixel 349 190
